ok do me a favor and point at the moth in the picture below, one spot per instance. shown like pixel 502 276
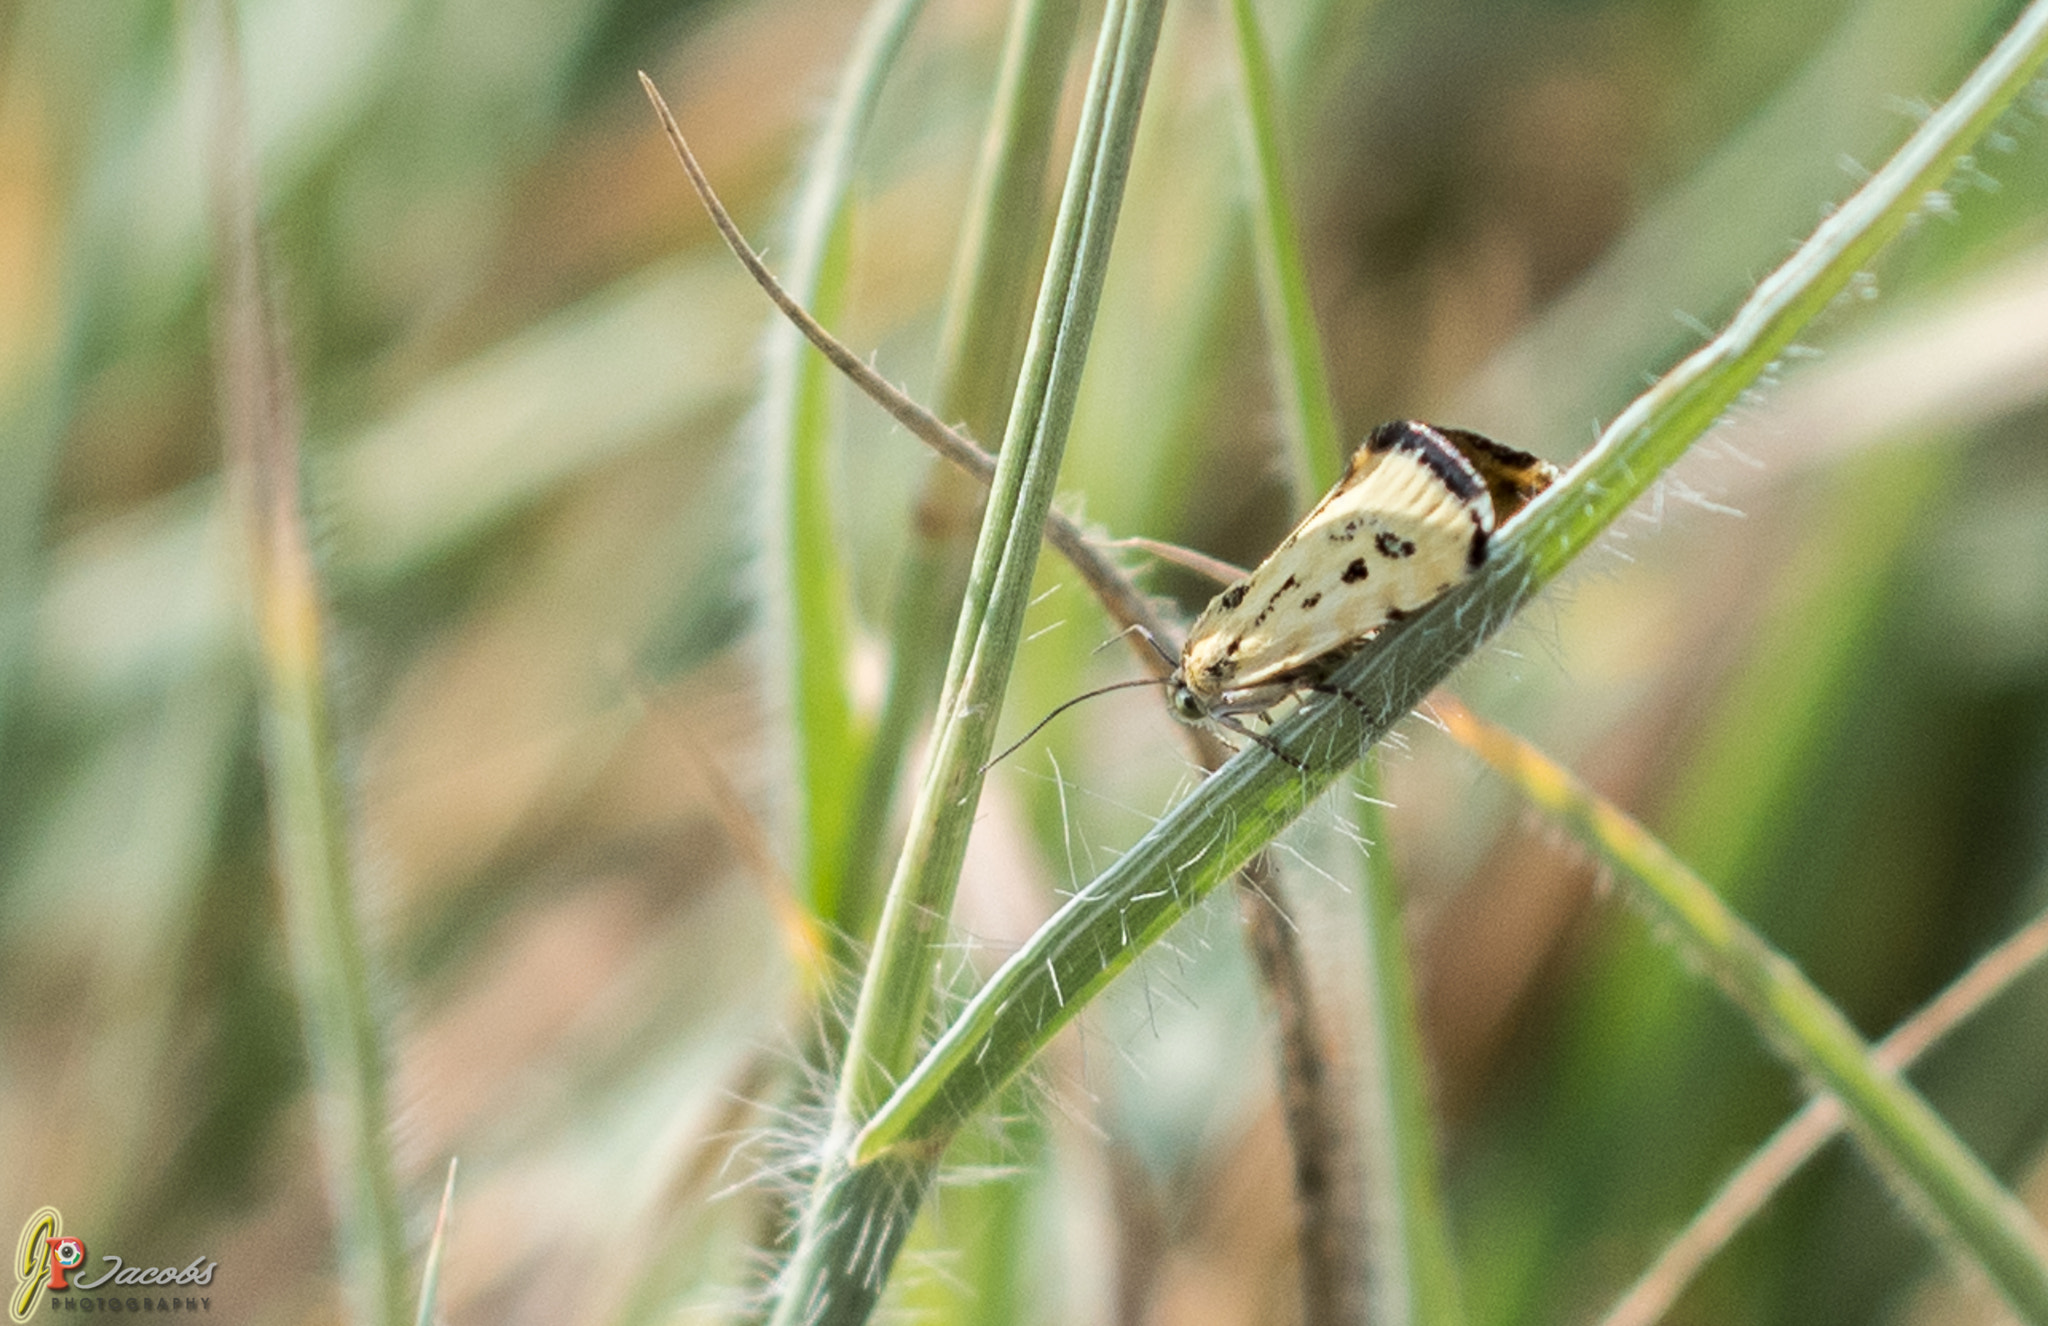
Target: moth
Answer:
pixel 1413 515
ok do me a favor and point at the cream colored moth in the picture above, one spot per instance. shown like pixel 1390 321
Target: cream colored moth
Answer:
pixel 1412 516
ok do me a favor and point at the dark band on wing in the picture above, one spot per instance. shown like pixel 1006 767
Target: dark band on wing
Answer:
pixel 1434 450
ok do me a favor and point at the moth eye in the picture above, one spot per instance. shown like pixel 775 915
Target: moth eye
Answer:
pixel 1185 705
pixel 1355 572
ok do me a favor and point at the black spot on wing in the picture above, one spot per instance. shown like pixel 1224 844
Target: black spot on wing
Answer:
pixel 1311 601
pixel 1233 596
pixel 1345 532
pixel 1356 571
pixel 1393 545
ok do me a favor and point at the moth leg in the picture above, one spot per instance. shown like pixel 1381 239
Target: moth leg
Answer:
pixel 1370 714
pixel 1272 746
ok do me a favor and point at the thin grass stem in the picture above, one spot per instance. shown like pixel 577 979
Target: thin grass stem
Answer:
pixel 330 957
pixel 811 607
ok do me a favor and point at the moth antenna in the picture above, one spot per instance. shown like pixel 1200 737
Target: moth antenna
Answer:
pixel 1113 639
pixel 1140 629
pixel 1172 660
pixel 1011 749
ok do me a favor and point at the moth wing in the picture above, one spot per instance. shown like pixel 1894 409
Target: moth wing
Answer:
pixel 1513 478
pixel 1409 520
pixel 1389 546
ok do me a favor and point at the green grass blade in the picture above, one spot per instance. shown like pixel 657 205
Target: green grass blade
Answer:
pixel 979 350
pixel 308 816
pixel 1196 845
pixel 1915 1149
pixel 898 984
pixel 1415 1276
pixel 857 1218
pixel 810 609
pixel 1317 451
pixel 982 339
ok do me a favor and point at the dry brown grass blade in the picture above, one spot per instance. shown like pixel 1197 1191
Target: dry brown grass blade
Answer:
pixel 1121 599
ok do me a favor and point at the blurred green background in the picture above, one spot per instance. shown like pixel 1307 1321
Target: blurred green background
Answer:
pixel 1817 664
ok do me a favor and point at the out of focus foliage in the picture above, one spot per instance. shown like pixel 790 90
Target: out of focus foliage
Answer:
pixel 1817 665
